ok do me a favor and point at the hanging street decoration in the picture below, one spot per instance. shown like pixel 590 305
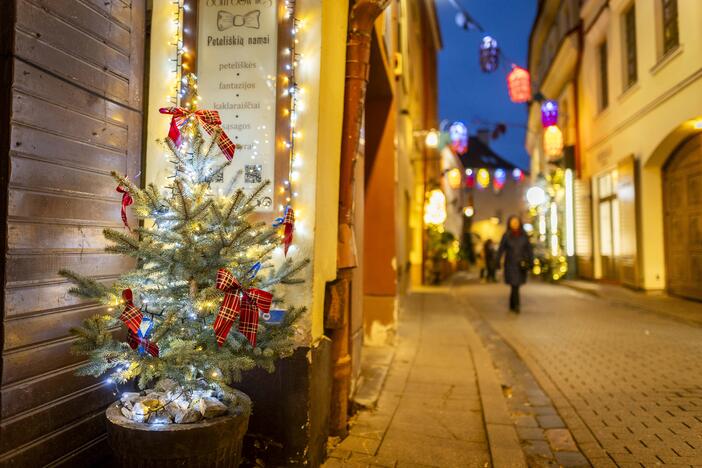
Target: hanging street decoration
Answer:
pixel 519 84
pixel 470 178
pixel 458 135
pixel 517 174
pixel 549 113
pixel 489 54
pixel 498 180
pixel 483 178
pixel 435 208
pixel 454 178
pixel 553 141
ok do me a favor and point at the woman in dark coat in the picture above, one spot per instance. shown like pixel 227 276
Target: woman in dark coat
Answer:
pixel 519 258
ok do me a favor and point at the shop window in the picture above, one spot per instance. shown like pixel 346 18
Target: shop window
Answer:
pixel 630 60
pixel 244 55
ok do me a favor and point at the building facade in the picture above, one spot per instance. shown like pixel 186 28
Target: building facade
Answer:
pixel 632 75
pixel 640 118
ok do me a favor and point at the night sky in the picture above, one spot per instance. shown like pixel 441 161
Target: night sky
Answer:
pixel 468 94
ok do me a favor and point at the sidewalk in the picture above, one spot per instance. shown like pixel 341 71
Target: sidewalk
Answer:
pixel 655 302
pixel 441 405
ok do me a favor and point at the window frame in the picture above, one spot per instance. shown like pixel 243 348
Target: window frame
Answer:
pixel 630 52
pixel 672 21
pixel 603 74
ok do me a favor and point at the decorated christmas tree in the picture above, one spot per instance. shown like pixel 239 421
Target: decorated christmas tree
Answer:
pixel 186 321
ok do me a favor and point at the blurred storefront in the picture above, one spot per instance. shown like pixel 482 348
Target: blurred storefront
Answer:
pixel 626 76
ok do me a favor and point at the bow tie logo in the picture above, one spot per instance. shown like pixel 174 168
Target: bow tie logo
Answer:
pixel 226 20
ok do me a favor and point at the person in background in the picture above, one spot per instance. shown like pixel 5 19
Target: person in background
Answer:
pixel 489 254
pixel 518 258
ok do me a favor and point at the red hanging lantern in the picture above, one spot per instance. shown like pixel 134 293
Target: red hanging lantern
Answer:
pixel 549 113
pixel 519 84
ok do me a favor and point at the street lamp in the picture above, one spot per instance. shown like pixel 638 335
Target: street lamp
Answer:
pixel 432 139
pixel 536 196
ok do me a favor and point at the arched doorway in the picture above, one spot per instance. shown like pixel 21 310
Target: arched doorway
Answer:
pixel 682 209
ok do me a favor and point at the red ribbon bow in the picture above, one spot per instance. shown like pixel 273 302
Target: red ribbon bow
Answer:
pixel 131 316
pixel 126 201
pixel 209 120
pixel 135 341
pixel 241 303
pixel 289 225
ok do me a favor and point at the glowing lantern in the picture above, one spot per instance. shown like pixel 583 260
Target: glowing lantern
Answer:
pixel 435 208
pixel 498 181
pixel 536 196
pixel 517 174
pixel 553 141
pixel 468 211
pixel 549 113
pixel 470 178
pixel 454 178
pixel 489 54
pixel 458 134
pixel 483 178
pixel 432 139
pixel 519 84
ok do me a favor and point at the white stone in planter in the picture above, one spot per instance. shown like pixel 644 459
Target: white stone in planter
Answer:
pixel 211 407
pixel 126 413
pixel 140 412
pixel 128 398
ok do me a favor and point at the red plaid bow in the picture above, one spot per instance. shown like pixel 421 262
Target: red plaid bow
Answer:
pixel 209 120
pixel 126 201
pixel 238 301
pixel 131 316
pixel 135 341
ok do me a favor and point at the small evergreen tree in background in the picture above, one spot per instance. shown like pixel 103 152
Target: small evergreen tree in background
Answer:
pixel 189 234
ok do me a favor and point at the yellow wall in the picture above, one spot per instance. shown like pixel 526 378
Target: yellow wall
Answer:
pixel 648 119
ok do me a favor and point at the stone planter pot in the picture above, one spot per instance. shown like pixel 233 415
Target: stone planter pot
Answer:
pixel 212 442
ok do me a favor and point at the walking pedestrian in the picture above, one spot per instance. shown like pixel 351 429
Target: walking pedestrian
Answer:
pixel 490 255
pixel 519 258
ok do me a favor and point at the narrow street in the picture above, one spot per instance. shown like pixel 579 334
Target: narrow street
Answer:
pixel 585 380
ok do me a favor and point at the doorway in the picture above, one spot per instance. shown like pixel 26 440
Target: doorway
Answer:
pixel 682 205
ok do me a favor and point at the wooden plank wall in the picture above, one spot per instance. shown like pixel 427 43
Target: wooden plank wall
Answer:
pixel 72 73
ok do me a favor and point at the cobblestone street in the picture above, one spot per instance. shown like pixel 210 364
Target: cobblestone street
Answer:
pixel 574 380
pixel 626 381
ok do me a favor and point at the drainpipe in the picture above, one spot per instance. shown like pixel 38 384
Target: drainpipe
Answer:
pixel 338 294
